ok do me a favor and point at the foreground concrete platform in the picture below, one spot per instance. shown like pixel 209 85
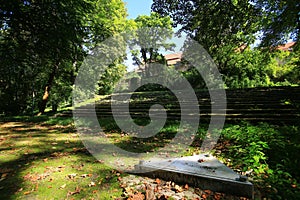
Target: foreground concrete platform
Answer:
pixel 203 171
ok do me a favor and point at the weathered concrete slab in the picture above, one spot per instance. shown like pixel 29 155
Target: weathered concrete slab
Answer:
pixel 203 171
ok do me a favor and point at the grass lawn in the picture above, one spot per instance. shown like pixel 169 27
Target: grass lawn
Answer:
pixel 43 158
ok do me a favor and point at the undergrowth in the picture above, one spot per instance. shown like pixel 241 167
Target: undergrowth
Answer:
pixel 267 154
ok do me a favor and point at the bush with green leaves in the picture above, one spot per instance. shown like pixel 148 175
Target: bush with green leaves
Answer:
pixel 267 154
pixel 248 146
pixel 256 68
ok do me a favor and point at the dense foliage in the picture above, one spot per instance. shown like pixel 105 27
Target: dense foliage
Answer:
pixel 218 23
pixel 151 36
pixel 254 68
pixel 43 44
pixel 266 153
pixel 229 30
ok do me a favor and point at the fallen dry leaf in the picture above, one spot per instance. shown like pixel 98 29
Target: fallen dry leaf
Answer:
pixel 77 191
pixel 72 176
pixel 36 187
pixel 92 184
pixel 178 188
pixel 27 192
pixel 63 186
pixel 217 196
pixel 157 181
pixel 4 175
pixel 149 192
pixel 137 196
pixel 129 191
pixel 84 175
pixel 157 188
pixel 186 186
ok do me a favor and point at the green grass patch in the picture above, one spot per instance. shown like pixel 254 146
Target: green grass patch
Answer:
pixel 43 158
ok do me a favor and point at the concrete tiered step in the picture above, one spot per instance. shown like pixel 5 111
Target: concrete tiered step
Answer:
pixel 277 104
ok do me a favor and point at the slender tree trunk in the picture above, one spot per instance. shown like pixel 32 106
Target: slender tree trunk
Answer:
pixel 44 101
pixel 144 56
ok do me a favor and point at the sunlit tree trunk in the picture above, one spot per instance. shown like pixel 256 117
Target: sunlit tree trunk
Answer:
pixel 47 89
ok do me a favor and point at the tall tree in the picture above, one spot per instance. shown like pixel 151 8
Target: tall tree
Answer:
pixel 50 38
pixel 152 34
pixel 219 21
pixel 219 26
pixel 281 21
pixel 226 28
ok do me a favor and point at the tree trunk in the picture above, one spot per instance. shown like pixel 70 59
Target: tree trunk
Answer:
pixel 144 56
pixel 43 103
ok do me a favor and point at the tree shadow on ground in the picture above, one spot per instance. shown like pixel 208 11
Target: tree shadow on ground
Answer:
pixel 38 158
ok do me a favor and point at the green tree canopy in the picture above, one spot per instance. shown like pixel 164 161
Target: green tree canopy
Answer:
pixel 219 26
pixel 226 29
pixel 281 21
pixel 152 34
pixel 219 22
pixel 213 24
pixel 42 41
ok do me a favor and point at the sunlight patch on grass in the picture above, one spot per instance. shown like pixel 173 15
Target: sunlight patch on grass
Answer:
pixel 41 161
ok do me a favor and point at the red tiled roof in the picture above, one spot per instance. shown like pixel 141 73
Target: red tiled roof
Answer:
pixel 173 58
